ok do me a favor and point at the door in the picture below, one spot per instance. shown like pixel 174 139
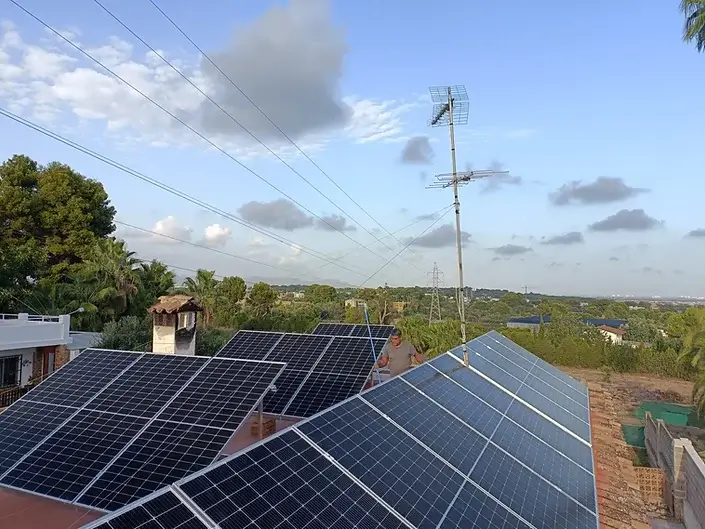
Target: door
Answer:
pixel 9 370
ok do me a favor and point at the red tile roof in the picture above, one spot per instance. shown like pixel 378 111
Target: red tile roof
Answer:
pixel 613 330
pixel 20 510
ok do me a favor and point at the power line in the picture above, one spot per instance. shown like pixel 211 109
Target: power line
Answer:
pixel 395 232
pixel 412 241
pixel 167 188
pixel 182 122
pixel 284 134
pixel 232 118
pixel 203 246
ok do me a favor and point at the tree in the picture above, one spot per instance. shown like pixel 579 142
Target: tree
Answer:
pixel 155 280
pixel 230 293
pixel 54 208
pixel 130 333
pixel 114 270
pixel 378 302
pixel 204 288
pixel 694 28
pixel 261 299
pixel 320 293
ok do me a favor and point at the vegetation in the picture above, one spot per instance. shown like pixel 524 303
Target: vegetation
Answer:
pixel 694 30
pixel 58 254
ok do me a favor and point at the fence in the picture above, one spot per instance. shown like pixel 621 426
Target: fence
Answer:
pixel 9 396
pixel 684 469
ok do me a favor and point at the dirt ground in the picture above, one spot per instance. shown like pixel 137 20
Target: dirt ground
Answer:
pixel 630 389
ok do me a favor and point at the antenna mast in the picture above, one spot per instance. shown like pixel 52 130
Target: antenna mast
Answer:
pixel 451 107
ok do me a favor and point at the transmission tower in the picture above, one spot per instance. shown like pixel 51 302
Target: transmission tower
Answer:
pixel 436 282
pixel 451 108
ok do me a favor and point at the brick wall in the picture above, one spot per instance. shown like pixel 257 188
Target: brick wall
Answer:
pixel 684 470
pixel 61 356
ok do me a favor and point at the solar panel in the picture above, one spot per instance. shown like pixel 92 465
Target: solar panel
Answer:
pixel 69 459
pixel 155 419
pixel 299 351
pixel 82 378
pixel 251 345
pixel 164 453
pixel 354 329
pixel 321 371
pixel 148 385
pixel 285 483
pixel 350 356
pixel 223 393
pixel 533 384
pixel 323 390
pixel 23 425
pixel 441 446
pixel 386 460
pixel 287 385
pixel 377 331
pixel 333 329
pixel 161 511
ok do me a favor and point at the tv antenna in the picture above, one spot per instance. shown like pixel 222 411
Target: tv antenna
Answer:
pixel 451 107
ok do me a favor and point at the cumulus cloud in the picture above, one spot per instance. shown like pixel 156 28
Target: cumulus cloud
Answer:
pixel 293 78
pixel 626 220
pixel 216 235
pixel 510 250
pixel 572 237
pixel 418 150
pixel 282 214
pixel 697 234
pixel 604 190
pixel 168 230
pixel 441 237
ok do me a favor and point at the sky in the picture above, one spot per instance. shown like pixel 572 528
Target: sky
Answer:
pixel 297 149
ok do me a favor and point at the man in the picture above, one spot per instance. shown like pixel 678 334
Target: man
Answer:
pixel 397 354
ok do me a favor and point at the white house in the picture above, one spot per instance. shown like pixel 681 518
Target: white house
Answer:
pixel 32 347
pixel 613 334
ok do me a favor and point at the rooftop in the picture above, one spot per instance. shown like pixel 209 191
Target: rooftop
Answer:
pixel 174 304
pixel 21 331
pixel 612 330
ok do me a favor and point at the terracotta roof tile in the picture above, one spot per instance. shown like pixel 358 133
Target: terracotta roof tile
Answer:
pixel 619 500
pixel 174 304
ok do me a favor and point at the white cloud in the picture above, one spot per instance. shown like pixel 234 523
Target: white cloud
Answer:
pixel 48 79
pixel 172 228
pixel 216 235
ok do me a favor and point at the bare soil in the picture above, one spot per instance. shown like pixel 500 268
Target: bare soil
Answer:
pixel 630 389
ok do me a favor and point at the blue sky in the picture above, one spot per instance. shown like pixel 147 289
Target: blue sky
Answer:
pixel 555 97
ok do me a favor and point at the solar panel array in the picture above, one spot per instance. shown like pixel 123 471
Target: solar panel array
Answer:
pixel 354 329
pixel 111 427
pixel 440 446
pixel 321 369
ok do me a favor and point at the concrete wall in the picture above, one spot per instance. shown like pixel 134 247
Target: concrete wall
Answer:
pixel 684 469
pixel 19 331
pixel 26 362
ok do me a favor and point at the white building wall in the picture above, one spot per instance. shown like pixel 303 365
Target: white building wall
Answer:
pixel 19 331
pixel 26 362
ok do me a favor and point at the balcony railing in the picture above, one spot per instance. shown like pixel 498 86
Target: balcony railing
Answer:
pixel 9 395
pixel 25 331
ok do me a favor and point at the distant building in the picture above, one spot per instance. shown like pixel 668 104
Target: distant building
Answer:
pixel 534 322
pixel 298 295
pixel 613 334
pixel 354 303
pixel 398 306
pixel 174 327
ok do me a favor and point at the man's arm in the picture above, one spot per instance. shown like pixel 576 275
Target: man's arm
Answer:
pixel 383 358
pixel 420 359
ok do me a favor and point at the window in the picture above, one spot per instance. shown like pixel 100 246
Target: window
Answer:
pixel 51 361
pixel 10 370
pixel 187 320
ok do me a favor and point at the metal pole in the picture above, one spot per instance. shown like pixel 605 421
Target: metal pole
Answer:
pixel 458 240
pixel 261 419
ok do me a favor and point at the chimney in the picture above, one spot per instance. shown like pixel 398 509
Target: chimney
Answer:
pixel 174 325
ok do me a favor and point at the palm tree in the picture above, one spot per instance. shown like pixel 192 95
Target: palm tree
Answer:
pixel 694 29
pixel 114 269
pixel 204 288
pixel 694 353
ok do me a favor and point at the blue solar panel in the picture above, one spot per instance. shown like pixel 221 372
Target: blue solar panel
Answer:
pixel 441 446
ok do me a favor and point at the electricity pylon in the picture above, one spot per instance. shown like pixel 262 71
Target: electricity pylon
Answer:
pixel 436 282
pixel 451 107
